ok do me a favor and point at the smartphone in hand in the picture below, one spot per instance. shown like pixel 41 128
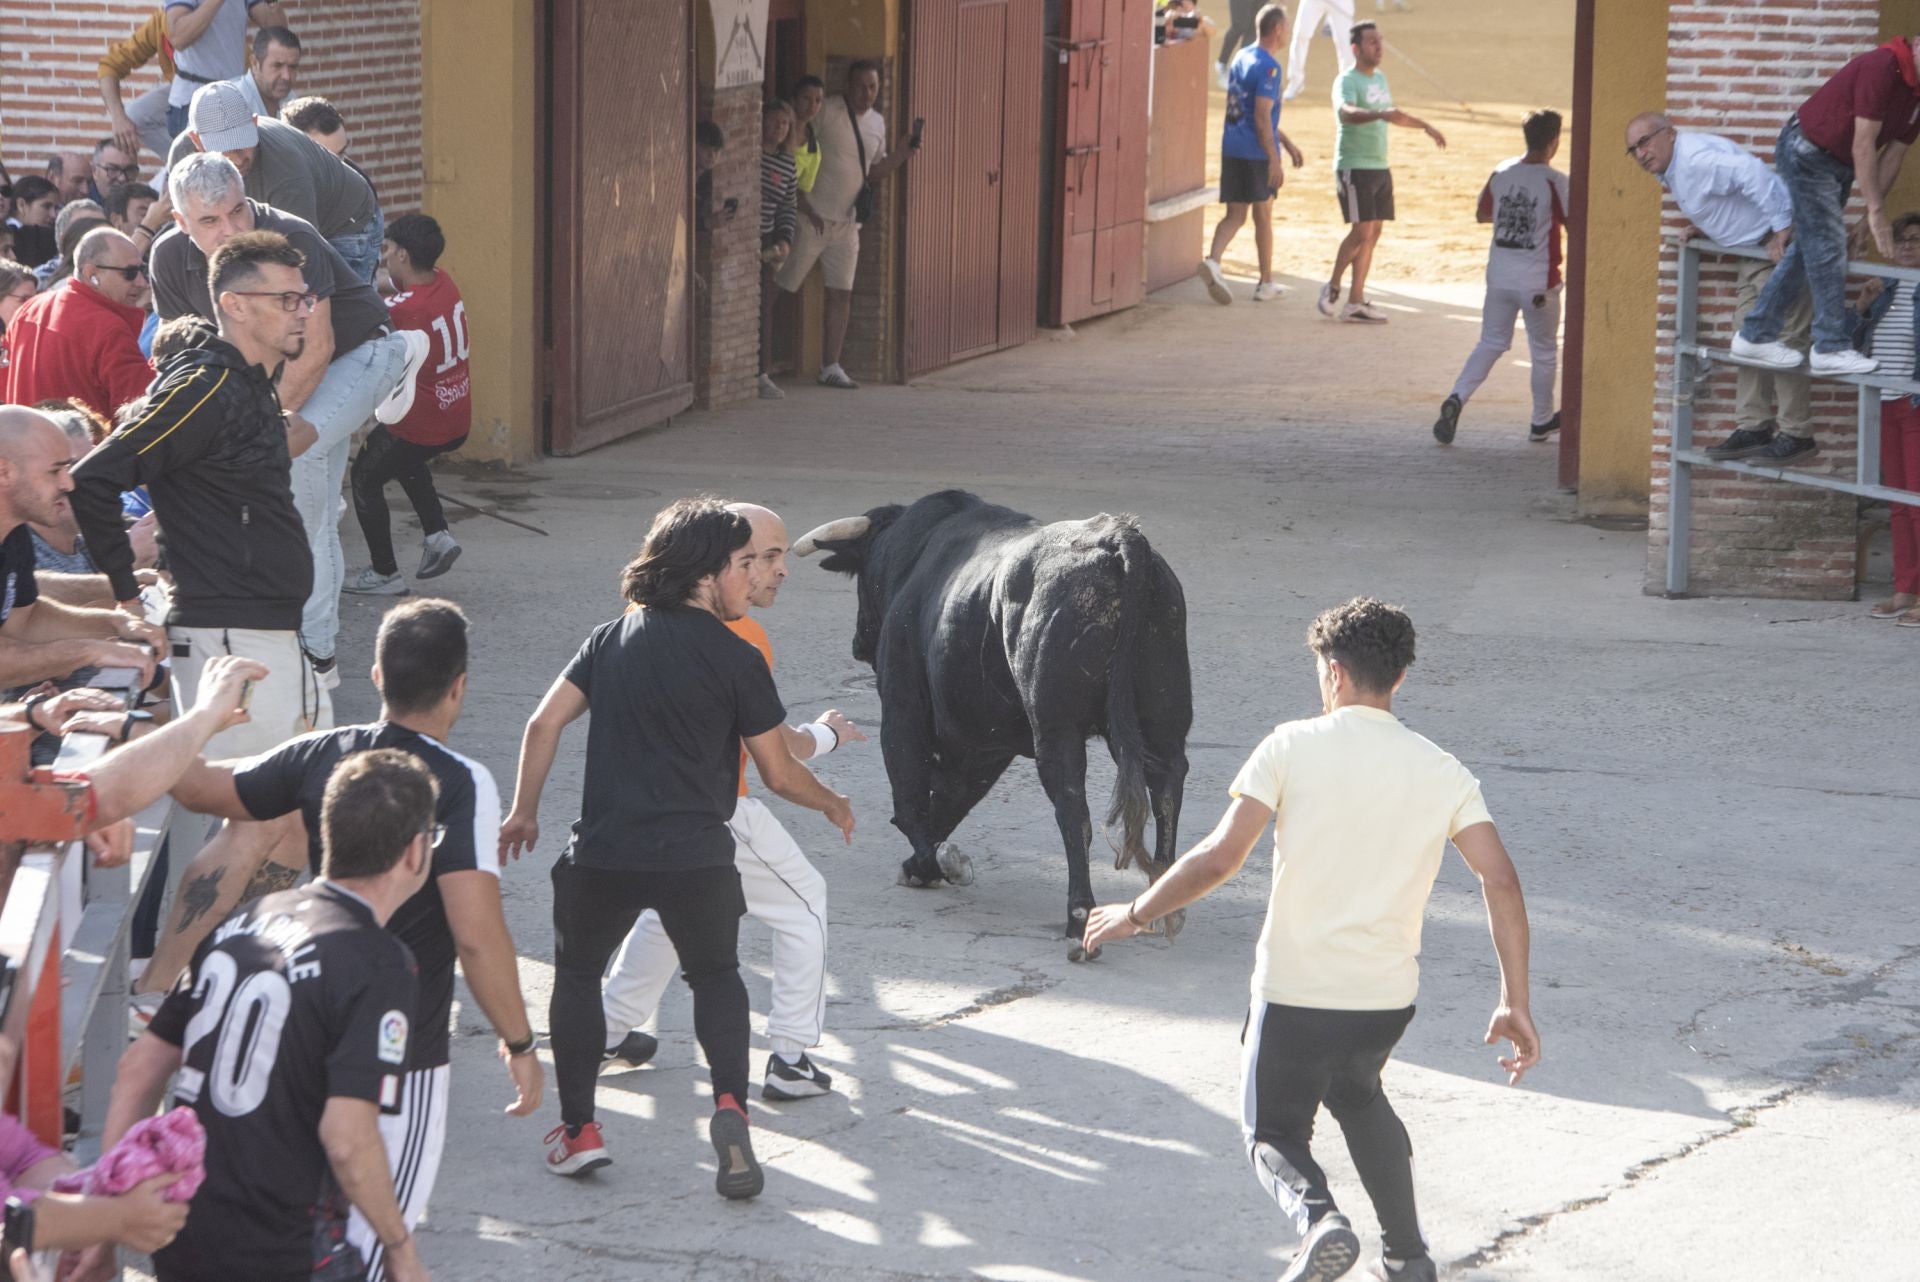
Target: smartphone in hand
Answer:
pixel 913 139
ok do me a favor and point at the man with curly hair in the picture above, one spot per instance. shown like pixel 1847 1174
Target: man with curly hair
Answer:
pixel 1363 809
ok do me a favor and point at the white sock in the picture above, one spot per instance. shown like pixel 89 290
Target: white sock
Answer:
pixel 788 1049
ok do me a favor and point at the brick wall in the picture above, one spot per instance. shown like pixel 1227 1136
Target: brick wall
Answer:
pixel 726 353
pixel 363 55
pixel 1740 68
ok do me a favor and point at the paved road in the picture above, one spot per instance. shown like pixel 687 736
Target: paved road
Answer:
pixel 1711 803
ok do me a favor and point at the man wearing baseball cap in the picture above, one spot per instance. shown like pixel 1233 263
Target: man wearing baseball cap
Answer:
pixel 287 170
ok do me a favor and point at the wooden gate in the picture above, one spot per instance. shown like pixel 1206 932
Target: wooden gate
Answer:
pixel 618 127
pixel 973 218
pixel 1101 157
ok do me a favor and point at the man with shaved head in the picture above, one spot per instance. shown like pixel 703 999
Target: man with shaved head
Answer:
pixel 782 888
pixel 69 171
pixel 1729 196
pixel 40 638
pixel 83 340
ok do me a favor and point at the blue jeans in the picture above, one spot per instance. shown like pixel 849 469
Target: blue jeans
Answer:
pixel 1817 259
pixel 176 121
pixel 361 248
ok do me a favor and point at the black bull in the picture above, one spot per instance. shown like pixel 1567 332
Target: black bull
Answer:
pixel 992 636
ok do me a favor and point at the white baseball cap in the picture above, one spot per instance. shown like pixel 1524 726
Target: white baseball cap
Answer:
pixel 222 118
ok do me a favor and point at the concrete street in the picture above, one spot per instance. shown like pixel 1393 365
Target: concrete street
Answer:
pixel 1711 803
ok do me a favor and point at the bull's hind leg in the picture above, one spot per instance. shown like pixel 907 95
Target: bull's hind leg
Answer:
pixel 1165 787
pixel 1062 760
pixel 957 789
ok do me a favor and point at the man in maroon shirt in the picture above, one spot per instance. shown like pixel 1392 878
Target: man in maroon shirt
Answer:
pixel 1855 128
pixel 83 338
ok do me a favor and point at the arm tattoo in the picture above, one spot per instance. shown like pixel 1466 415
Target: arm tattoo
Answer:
pixel 197 896
pixel 272 877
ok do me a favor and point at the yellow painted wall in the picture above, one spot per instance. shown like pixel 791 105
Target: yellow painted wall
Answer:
pixel 1902 18
pixel 478 88
pixel 1622 269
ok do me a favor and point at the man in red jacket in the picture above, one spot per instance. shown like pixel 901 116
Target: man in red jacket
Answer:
pixel 83 338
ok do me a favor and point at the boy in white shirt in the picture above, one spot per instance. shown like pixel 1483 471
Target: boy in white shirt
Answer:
pixel 1526 201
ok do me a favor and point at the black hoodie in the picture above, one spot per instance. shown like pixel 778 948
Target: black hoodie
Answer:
pixel 209 443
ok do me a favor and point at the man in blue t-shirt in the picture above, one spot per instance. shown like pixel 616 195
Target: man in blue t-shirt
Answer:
pixel 1250 168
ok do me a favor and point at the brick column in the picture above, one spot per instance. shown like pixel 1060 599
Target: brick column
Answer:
pixel 1740 69
pixel 726 309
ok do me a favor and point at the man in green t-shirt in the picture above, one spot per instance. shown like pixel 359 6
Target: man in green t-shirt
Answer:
pixel 1365 108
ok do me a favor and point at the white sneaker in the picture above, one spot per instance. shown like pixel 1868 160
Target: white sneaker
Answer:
pixel 1267 290
pixel 1363 313
pixel 438 552
pixel 1766 355
pixel 1220 74
pixel 834 376
pixel 1329 296
pixel 770 390
pixel 367 581
pixel 1216 283
pixel 1828 364
pixel 400 400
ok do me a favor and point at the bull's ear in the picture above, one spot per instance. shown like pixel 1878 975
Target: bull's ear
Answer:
pixel 842 559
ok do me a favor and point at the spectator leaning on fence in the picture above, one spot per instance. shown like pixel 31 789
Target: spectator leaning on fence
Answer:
pixel 1887 332
pixel 1855 128
pixel 1727 195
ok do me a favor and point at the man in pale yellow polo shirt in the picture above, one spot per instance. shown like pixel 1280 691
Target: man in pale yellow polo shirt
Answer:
pixel 1363 810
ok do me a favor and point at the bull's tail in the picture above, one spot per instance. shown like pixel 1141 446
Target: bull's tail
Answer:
pixel 1130 802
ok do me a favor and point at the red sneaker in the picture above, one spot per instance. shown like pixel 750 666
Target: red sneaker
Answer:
pixel 577 1154
pixel 740 1176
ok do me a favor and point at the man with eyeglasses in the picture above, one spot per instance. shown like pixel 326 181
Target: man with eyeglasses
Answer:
pixel 420 669
pixel 353 367
pixel 83 340
pixel 112 167
pixel 1727 195
pixel 211 445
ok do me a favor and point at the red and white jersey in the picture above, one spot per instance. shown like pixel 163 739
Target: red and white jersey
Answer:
pixel 442 401
pixel 1527 205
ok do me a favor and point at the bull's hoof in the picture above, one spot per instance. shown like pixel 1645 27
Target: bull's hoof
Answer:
pixel 955 866
pixel 1173 923
pixel 1079 953
pixel 919 881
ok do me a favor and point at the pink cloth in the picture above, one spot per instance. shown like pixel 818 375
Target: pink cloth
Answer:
pixel 172 1142
pixel 20 1152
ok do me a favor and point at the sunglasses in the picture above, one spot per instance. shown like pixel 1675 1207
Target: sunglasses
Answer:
pixel 130 274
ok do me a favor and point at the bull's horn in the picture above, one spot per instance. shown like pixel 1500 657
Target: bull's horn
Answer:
pixel 847 527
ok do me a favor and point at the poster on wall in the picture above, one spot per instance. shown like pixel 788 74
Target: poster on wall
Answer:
pixel 740 41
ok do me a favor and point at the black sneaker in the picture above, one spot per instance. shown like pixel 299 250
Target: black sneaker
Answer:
pixel 1786 451
pixel 1449 420
pixel 1744 441
pixel 800 1080
pixel 1328 1251
pixel 635 1049
pixel 1541 431
pixel 740 1176
pixel 1420 1270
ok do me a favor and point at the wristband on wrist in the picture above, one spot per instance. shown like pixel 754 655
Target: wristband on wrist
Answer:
pixel 33 701
pixel 824 739
pixel 522 1047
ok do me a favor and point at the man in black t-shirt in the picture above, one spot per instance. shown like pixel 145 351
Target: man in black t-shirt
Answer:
pixel 420 668
pixel 290 1035
pixel 674 693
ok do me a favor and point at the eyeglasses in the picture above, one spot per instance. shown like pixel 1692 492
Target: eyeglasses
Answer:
pixel 1634 148
pixel 291 300
pixel 125 173
pixel 131 274
pixel 438 834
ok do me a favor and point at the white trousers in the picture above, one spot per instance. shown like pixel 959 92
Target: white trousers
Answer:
pixel 784 891
pixel 289 702
pixel 1306 25
pixel 414 1138
pixel 1541 312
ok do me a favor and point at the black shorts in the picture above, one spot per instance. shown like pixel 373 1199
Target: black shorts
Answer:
pixel 1366 195
pixel 1243 182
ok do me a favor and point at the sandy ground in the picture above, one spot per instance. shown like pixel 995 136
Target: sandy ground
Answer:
pixel 1470 68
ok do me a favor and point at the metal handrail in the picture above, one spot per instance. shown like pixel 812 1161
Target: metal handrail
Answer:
pixel 1693 363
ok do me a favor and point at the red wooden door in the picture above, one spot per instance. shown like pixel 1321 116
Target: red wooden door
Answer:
pixel 619 218
pixel 1100 222
pixel 973 222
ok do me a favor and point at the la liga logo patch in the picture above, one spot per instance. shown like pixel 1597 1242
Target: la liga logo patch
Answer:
pixel 393 1038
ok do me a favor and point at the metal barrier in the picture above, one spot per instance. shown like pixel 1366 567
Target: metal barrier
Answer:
pixel 62 911
pixel 1693 365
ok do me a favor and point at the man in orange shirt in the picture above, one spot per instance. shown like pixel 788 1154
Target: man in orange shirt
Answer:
pixel 783 890
pixel 144 123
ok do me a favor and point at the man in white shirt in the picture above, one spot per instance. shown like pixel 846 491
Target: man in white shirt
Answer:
pixel 1363 809
pixel 853 156
pixel 1729 196
pixel 1526 202
pixel 271 69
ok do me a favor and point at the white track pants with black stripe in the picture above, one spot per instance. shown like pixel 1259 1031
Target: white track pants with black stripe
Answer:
pixel 784 891
pixel 414 1137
